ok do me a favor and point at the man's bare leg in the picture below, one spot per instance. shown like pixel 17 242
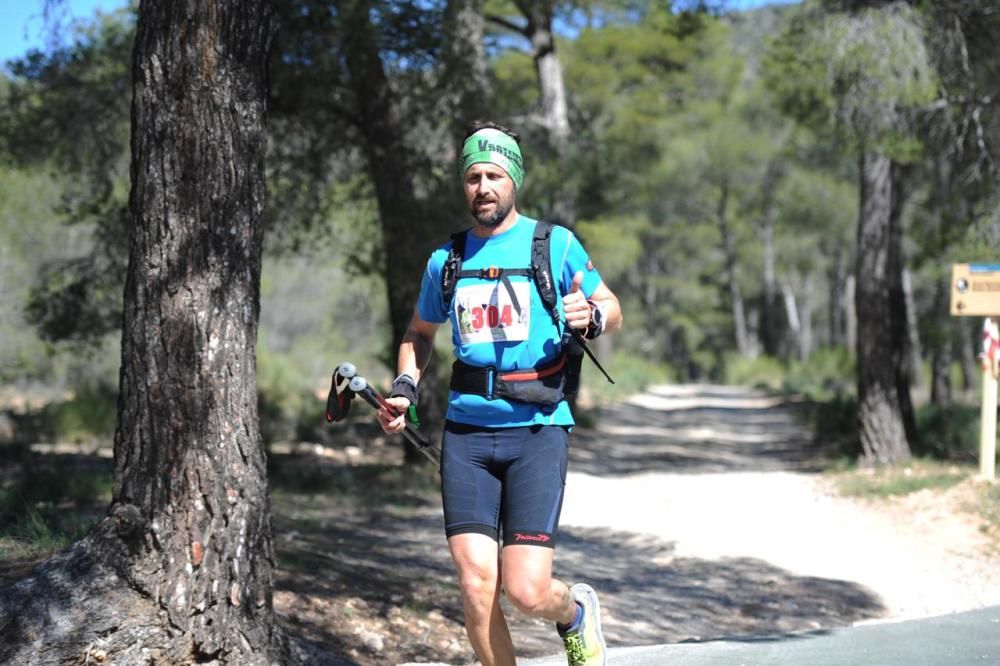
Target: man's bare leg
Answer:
pixel 527 575
pixel 476 558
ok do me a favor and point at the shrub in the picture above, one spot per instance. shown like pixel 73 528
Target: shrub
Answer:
pixel 632 374
pixel 948 432
pixel 90 413
pixel 765 372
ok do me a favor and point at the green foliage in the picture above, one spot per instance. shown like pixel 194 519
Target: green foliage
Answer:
pixel 310 323
pixel 860 69
pixel 894 481
pixel 948 432
pixel 945 433
pixel 827 373
pixel 764 372
pixel 51 502
pixel 90 414
pixel 632 374
pixel 67 111
pixel 683 166
pixel 836 421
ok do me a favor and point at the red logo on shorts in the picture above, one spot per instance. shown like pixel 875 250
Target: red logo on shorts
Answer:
pixel 536 538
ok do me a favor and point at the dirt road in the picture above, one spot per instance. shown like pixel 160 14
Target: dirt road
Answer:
pixel 697 513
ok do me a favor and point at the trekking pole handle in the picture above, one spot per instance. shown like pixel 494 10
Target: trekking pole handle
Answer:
pixel 361 387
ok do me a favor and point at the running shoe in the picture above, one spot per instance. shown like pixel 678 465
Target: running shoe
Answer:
pixel 585 644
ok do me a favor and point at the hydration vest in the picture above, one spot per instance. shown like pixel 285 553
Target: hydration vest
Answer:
pixel 546 385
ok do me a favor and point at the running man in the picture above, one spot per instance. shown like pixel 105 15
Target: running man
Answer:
pixel 506 437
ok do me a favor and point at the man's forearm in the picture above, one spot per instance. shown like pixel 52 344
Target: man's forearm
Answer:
pixel 414 354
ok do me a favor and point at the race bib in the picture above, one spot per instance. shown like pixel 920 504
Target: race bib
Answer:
pixel 486 313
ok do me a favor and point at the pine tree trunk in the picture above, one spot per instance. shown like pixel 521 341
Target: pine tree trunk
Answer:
pixel 465 82
pixel 555 111
pixel 902 336
pixel 181 569
pixel 769 310
pixel 740 333
pixel 942 352
pixel 837 304
pixel 406 236
pixel 969 344
pixel 806 319
pixel 880 419
pixel 850 301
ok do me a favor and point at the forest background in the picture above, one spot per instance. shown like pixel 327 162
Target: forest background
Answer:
pixel 776 195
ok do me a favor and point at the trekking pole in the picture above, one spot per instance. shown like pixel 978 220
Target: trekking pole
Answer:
pixel 582 341
pixel 346 384
pixel 360 386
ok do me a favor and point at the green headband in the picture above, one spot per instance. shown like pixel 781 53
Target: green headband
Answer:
pixel 493 146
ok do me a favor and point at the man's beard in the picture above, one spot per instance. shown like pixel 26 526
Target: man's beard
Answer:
pixel 500 212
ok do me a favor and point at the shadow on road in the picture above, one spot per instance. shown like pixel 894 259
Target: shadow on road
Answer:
pixel 393 565
pixel 649 597
pixel 695 429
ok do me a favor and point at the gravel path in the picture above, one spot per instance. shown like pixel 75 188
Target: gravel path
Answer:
pixel 698 514
pixel 914 554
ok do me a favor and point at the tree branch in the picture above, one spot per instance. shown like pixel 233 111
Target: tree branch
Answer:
pixel 504 22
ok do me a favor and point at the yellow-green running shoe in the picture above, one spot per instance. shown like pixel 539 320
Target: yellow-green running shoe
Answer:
pixel 585 645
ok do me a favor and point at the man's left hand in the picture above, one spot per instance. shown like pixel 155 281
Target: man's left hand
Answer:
pixel 575 305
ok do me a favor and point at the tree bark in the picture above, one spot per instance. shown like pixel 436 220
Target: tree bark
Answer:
pixel 740 334
pixel 806 319
pixel 902 335
pixel 555 111
pixel 180 571
pixel 792 314
pixel 880 420
pixel 914 348
pixel 465 81
pixel 942 349
pixel 769 311
pixel 837 276
pixel 969 341
pixel 851 311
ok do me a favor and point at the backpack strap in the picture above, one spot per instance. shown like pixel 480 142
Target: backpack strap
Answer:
pixel 452 269
pixel 541 267
pixel 540 271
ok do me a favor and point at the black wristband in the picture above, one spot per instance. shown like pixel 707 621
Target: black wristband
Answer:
pixel 404 386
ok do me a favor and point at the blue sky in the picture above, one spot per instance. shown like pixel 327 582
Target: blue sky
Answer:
pixel 22 23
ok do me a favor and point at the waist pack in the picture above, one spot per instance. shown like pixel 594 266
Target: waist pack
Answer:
pixel 546 385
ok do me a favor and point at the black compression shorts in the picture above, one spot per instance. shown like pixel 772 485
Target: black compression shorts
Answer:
pixel 504 480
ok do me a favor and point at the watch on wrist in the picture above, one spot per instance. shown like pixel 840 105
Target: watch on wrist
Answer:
pixel 598 320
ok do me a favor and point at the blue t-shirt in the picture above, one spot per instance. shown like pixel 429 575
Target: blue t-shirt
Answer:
pixel 487 329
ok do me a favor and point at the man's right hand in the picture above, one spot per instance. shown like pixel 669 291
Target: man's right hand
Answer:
pixel 393 423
